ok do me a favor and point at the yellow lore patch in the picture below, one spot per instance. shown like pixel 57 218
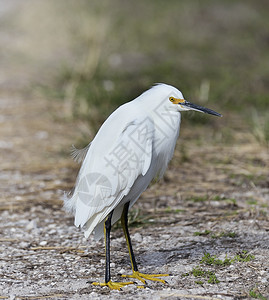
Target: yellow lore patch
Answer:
pixel 176 100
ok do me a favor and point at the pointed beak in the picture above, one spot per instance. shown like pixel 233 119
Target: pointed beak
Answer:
pixel 201 108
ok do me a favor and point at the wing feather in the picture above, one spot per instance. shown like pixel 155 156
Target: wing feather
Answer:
pixel 110 169
pixel 78 155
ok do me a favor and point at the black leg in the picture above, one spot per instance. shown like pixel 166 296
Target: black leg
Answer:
pixel 136 274
pixel 124 223
pixel 112 285
pixel 107 229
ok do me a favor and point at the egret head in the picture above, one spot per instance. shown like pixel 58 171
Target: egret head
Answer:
pixel 171 99
pixel 184 105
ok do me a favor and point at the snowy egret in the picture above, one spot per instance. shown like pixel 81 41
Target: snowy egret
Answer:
pixel 132 147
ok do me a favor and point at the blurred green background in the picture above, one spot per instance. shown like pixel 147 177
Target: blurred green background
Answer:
pixel 96 55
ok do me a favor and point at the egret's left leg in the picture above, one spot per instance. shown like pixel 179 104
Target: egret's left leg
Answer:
pixel 111 284
pixel 136 274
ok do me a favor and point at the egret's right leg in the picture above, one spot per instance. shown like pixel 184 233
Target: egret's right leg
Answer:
pixel 136 274
pixel 112 285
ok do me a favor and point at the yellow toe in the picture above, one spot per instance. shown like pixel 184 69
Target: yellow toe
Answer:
pixel 143 277
pixel 113 285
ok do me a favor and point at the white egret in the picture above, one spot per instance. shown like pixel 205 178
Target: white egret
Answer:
pixel 132 147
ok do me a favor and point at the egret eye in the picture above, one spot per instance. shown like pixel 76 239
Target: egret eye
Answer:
pixel 172 99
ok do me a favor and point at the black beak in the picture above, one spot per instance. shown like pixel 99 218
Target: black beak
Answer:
pixel 201 109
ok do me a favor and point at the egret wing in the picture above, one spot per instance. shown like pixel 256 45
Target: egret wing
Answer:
pixel 107 176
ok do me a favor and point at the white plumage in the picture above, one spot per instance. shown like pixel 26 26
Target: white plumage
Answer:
pixel 132 147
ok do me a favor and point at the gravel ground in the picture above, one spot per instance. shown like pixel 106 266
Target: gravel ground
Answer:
pixel 46 258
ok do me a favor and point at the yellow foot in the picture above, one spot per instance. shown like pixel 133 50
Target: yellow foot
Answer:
pixel 113 285
pixel 142 277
